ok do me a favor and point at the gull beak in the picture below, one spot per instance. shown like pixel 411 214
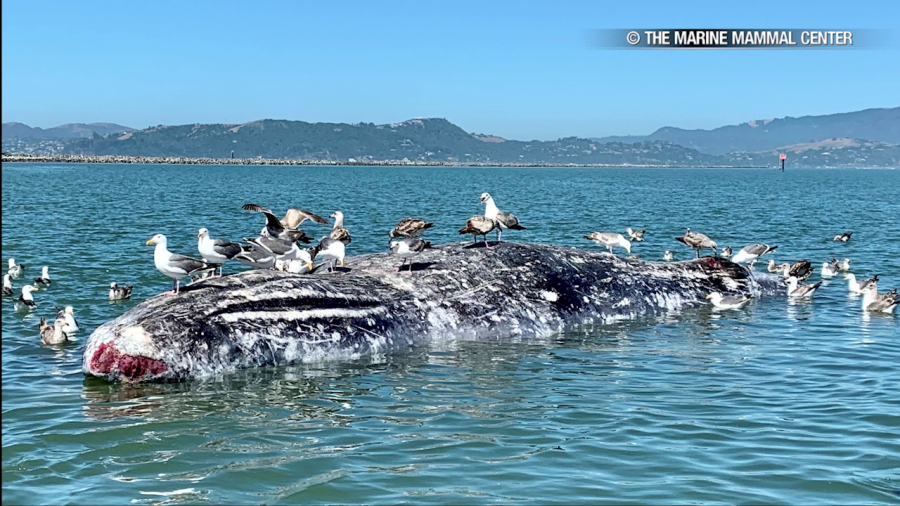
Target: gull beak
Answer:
pixel 309 266
pixel 150 241
pixel 199 234
pixel 708 296
pixel 35 288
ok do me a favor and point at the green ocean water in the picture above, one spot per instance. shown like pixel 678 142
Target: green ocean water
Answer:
pixel 781 402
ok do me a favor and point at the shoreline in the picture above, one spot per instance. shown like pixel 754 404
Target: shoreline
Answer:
pixel 184 160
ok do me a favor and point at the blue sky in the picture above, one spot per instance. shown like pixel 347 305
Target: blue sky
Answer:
pixel 521 70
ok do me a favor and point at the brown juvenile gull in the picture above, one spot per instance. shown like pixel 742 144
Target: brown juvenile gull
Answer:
pixel 635 235
pixel 117 292
pixel 277 228
pixel 409 227
pixel 338 232
pixel 697 241
pixel 478 225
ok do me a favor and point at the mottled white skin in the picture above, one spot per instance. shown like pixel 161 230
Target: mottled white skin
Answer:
pixel 514 290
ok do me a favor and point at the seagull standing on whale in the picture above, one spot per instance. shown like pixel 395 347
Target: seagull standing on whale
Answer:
pixel 697 241
pixel 502 218
pixel 330 250
pixel 216 251
pixel 256 257
pixel 277 228
pixel 407 248
pixel 610 240
pixel 751 253
pixel 173 265
pixel 409 227
pixel 478 225
pixel 338 231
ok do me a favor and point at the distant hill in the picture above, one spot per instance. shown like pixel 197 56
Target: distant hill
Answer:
pixel 67 131
pixel 431 139
pixel 762 135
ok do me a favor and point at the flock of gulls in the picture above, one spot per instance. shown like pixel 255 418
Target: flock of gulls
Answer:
pixel 278 246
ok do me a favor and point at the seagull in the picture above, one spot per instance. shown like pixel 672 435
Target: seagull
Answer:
pixel 697 241
pixel 15 270
pixel 478 225
pixel 884 303
pixel 256 257
pixel 117 292
pixel 668 256
pixel 68 316
pixel 856 287
pixel 7 286
pixel 45 277
pixel 796 290
pixel 173 265
pixel 751 253
pixel 610 240
pixel 635 235
pixel 216 251
pixel 777 268
pixel 409 227
pixel 801 269
pixel 277 228
pixel 841 266
pixel 26 301
pixel 503 219
pixel 52 334
pixel 726 252
pixel 724 302
pixel 338 231
pixel 408 247
pixel 331 250
pixel 843 237
pixel 828 270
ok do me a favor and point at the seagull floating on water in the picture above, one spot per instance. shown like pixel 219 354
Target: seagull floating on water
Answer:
pixel 843 237
pixel 117 292
pixel 216 251
pixel 26 301
pixel 68 316
pixel 668 256
pixel 610 240
pixel 503 219
pixel 338 231
pixel 15 270
pixel 884 303
pixel 173 265
pixel 797 290
pixel 407 248
pixel 409 227
pixel 841 266
pixel 727 302
pixel 7 286
pixel 52 334
pixel 478 225
pixel 697 241
pixel 858 287
pixel 828 270
pixel 773 267
pixel 635 235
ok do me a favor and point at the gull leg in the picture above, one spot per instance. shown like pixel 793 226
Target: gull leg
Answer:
pixel 499 233
pixel 486 243
pixel 698 252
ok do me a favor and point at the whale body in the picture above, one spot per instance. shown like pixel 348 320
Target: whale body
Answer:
pixel 455 291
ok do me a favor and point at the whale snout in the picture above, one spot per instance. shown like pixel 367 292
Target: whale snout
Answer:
pixel 124 355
